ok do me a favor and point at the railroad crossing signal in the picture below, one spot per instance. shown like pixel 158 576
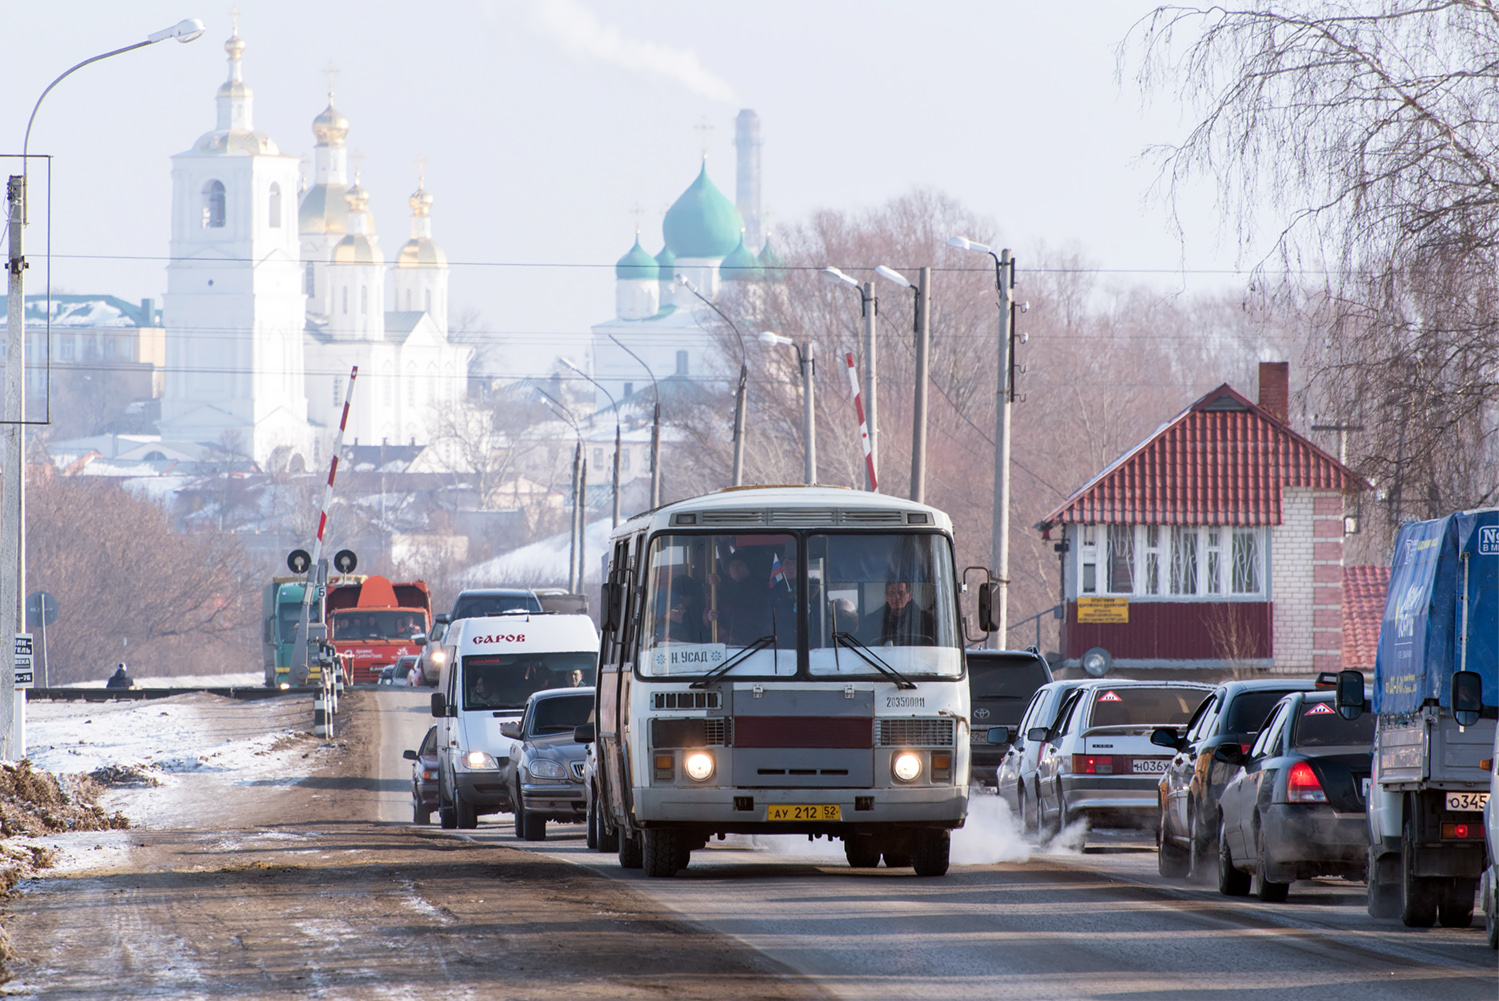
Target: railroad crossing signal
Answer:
pixel 298 561
pixel 344 561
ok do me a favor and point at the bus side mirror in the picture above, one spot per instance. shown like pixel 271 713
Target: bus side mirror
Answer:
pixel 609 608
pixel 1467 697
pixel 1350 694
pixel 986 610
pixel 439 705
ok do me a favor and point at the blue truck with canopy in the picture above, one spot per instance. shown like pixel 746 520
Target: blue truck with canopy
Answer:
pixel 1436 686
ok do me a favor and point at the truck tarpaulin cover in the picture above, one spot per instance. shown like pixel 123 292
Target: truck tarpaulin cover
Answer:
pixel 1435 564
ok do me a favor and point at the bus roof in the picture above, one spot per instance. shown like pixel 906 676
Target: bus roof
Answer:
pixel 788 507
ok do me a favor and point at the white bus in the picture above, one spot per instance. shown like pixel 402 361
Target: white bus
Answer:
pixel 781 660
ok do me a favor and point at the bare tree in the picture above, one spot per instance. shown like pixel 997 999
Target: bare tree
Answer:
pixel 1366 137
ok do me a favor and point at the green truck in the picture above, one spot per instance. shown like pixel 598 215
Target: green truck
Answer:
pixel 281 612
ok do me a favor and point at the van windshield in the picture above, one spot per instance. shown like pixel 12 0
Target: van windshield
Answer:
pixel 507 681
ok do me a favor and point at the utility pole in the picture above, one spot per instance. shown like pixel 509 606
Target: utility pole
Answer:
pixel 12 584
pixel 739 396
pixel 656 457
pixel 616 468
pixel 808 359
pixel 572 553
pixel 871 310
pixel 923 363
pixel 1004 397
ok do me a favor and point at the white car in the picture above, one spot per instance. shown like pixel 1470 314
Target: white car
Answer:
pixel 1016 778
pixel 1097 759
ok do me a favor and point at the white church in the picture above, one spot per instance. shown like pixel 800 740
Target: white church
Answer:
pixel 275 293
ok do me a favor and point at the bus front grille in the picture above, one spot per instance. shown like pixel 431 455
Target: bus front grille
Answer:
pixel 914 732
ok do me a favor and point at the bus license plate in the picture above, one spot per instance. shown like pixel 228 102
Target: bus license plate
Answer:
pixel 815 811
pixel 1465 802
pixel 1151 766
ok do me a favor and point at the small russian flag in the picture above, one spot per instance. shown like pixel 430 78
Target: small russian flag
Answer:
pixel 778 572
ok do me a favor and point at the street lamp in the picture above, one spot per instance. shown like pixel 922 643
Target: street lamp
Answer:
pixel 741 392
pixel 615 407
pixel 655 426
pixel 869 308
pixel 921 326
pixel 580 483
pixel 13 520
pixel 1004 281
pixel 806 359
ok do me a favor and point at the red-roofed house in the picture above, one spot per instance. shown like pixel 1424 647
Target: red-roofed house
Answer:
pixel 1363 609
pixel 1215 543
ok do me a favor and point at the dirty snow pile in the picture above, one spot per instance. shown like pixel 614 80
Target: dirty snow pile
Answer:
pixel 164 761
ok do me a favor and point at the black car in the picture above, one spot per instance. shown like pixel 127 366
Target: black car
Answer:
pixel 1001 683
pixel 424 778
pixel 1296 808
pixel 1187 832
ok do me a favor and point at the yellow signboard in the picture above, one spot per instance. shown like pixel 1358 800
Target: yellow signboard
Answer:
pixel 1110 610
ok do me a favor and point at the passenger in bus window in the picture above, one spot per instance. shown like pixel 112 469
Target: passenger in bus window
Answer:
pixel 900 621
pixel 685 619
pixel 743 609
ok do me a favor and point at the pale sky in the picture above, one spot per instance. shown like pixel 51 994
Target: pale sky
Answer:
pixel 544 124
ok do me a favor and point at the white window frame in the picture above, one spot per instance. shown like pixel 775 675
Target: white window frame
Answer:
pixel 1151 575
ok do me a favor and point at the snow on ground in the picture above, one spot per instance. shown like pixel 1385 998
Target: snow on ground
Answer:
pixel 545 560
pixel 241 679
pixel 200 750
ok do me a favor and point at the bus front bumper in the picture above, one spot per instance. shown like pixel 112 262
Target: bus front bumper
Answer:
pixel 739 810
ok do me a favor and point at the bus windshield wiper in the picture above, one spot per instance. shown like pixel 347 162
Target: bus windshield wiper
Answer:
pixel 871 658
pixel 734 661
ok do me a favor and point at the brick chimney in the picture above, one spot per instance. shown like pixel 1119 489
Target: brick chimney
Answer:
pixel 1275 388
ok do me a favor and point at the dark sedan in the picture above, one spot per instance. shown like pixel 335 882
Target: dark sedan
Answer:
pixel 1000 683
pixel 424 778
pixel 545 766
pixel 1296 808
pixel 1187 832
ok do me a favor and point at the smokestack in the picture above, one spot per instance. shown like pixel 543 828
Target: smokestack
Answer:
pixel 1275 388
pixel 747 179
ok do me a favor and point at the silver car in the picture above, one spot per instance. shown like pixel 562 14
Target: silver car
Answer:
pixel 1097 760
pixel 1016 779
pixel 545 767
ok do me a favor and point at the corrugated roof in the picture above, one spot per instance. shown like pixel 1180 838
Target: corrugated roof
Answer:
pixel 1363 609
pixel 1222 461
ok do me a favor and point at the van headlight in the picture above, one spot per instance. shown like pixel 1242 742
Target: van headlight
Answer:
pixel 545 768
pixel 699 766
pixel 480 759
pixel 906 766
pixel 438 656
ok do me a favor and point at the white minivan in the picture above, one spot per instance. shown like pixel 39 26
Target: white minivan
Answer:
pixel 493 664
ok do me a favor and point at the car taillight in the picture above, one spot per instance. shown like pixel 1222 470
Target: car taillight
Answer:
pixel 1302 785
pixel 1462 832
pixel 1093 764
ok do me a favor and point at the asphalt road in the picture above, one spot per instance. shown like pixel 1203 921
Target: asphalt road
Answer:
pixel 1093 924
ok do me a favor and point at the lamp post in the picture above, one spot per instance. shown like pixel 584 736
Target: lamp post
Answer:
pixel 806 359
pixel 869 308
pixel 615 407
pixel 741 392
pixel 921 326
pixel 655 426
pixel 13 547
pixel 580 476
pixel 1004 281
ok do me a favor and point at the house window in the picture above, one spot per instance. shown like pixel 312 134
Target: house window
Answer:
pixel 598 458
pixel 109 347
pixel 1088 553
pixel 624 458
pixel 1121 560
pixel 411 385
pixel 1246 561
pixel 274 204
pixel 65 348
pixel 336 381
pixel 1146 561
pixel 213 205
pixel 681 363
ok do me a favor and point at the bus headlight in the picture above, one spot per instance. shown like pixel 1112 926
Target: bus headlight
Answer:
pixel 699 766
pixel 480 759
pixel 906 766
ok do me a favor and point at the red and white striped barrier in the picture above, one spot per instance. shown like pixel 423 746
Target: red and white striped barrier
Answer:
pixel 864 439
pixel 338 445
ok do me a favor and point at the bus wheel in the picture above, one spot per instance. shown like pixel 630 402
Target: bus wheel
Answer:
pixel 629 850
pixel 664 852
pixel 862 851
pixel 930 850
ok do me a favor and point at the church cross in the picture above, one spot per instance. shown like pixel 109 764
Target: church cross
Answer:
pixel 421 169
pixel 330 71
pixel 357 159
pixel 703 128
pixel 635 213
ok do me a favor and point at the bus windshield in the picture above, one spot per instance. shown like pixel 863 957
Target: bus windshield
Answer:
pixel 878 602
